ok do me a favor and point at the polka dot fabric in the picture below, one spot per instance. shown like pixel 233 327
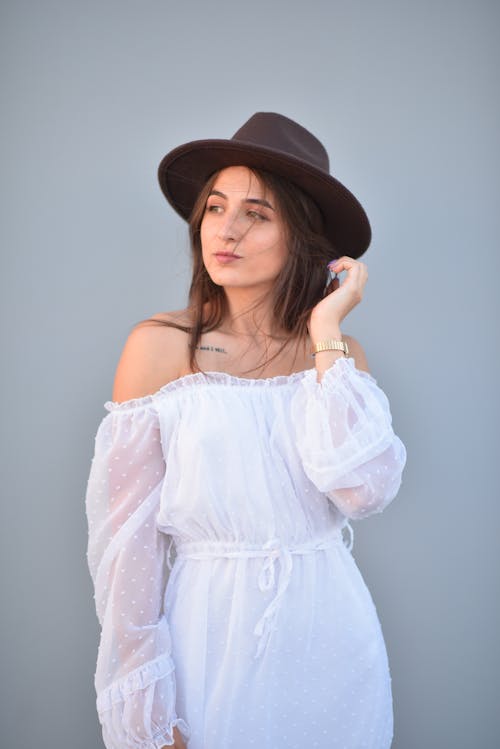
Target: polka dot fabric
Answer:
pixel 229 603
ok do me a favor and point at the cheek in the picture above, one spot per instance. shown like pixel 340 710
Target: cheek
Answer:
pixel 274 246
pixel 281 252
pixel 204 239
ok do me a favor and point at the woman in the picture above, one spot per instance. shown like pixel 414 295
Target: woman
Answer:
pixel 228 447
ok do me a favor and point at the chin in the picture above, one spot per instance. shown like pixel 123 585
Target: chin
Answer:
pixel 232 278
pixel 223 279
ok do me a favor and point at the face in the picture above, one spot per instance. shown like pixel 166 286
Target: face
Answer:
pixel 242 234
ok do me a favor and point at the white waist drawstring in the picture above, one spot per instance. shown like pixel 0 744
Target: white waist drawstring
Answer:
pixel 348 527
pixel 272 551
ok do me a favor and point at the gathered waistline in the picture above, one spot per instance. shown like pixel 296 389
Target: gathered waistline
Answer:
pixel 236 549
pixel 271 551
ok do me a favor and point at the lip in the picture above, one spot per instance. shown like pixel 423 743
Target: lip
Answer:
pixel 226 257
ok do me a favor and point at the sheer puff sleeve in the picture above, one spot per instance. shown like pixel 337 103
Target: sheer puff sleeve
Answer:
pixel 344 435
pixel 127 558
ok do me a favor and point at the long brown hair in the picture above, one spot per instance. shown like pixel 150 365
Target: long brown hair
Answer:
pixel 300 284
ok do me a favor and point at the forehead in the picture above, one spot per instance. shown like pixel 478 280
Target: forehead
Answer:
pixel 239 179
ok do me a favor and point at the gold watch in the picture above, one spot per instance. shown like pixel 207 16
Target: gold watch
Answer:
pixel 330 346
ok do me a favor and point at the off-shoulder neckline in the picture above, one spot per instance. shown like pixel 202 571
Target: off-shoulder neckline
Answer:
pixel 206 378
pixel 212 377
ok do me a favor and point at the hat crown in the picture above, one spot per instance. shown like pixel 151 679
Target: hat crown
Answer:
pixel 274 131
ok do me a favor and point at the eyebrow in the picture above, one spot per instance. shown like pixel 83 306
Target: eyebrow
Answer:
pixel 258 201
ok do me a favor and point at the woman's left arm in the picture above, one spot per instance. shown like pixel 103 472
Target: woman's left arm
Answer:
pixel 342 418
pixel 344 435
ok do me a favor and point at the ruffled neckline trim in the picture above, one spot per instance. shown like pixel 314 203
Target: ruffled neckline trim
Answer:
pixel 207 378
pixel 210 378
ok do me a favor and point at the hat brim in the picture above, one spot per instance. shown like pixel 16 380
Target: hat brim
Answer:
pixel 184 170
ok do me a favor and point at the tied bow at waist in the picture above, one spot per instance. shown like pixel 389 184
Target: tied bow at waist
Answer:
pixel 271 552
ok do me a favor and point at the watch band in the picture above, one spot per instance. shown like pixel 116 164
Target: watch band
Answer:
pixel 331 346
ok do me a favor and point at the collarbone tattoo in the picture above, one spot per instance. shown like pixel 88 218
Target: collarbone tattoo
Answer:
pixel 207 347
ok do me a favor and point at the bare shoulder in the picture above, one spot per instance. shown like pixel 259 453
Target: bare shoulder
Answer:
pixel 180 317
pixel 155 353
pixel 357 352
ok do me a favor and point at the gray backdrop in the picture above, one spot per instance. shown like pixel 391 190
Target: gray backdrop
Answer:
pixel 405 97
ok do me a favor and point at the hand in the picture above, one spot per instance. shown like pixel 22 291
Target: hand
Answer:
pixel 178 740
pixel 340 299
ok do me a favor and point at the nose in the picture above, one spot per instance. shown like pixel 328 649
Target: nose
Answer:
pixel 228 229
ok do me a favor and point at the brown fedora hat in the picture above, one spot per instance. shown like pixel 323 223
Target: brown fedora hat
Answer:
pixel 274 143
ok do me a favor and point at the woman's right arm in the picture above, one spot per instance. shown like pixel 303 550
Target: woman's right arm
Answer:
pixel 127 557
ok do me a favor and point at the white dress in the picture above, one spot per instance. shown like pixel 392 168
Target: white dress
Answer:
pixel 230 604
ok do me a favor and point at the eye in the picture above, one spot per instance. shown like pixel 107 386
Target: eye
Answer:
pixel 214 208
pixel 256 215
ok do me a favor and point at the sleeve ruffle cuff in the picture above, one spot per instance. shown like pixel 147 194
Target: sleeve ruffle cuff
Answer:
pixel 121 708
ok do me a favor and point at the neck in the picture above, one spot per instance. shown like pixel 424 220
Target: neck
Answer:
pixel 250 314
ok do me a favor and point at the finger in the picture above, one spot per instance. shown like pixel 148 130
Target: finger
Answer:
pixel 345 259
pixel 331 273
pixel 342 259
pixel 345 263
